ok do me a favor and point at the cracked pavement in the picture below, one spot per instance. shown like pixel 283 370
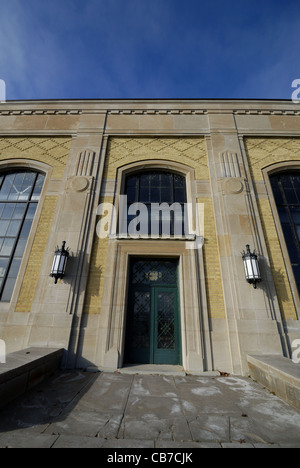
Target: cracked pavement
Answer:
pixel 113 410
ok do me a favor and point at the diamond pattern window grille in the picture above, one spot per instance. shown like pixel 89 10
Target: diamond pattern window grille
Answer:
pixel 166 321
pixel 141 320
pixel 154 272
pixel 158 187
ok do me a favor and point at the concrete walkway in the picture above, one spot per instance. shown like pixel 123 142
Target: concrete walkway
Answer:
pixel 111 410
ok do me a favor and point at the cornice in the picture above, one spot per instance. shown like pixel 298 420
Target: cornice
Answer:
pixel 150 107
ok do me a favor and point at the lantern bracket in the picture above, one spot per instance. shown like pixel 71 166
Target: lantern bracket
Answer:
pixel 59 262
pixel 251 265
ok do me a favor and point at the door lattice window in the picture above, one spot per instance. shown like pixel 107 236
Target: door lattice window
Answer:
pixel 141 320
pixel 154 272
pixel 166 320
pixel 153 331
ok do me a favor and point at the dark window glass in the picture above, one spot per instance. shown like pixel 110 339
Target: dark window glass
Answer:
pixel 157 187
pixel 19 194
pixel 286 190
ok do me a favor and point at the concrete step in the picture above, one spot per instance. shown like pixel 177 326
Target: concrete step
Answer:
pixel 25 369
pixel 278 374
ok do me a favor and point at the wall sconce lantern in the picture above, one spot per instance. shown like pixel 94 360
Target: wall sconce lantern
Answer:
pixel 59 262
pixel 251 266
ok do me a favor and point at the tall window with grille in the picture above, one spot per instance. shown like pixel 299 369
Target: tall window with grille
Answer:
pixel 163 196
pixel 286 190
pixel 20 192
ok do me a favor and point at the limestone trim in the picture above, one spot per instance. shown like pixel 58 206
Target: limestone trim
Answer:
pixel 18 163
pixel 195 332
pixel 230 165
pixel 157 112
pixel 182 169
pixel 17 112
pixel 85 163
pixel 267 172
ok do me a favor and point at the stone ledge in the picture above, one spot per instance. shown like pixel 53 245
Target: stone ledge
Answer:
pixel 279 374
pixel 25 369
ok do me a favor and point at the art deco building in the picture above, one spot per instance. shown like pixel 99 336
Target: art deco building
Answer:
pixel 156 201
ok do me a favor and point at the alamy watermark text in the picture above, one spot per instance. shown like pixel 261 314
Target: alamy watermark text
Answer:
pixel 296 92
pixel 2 352
pixel 296 352
pixel 2 91
pixel 152 221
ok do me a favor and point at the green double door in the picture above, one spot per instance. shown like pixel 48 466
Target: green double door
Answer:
pixel 153 327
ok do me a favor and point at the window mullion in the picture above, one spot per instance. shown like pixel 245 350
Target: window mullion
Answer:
pixel 33 187
pixel 173 189
pixel 166 193
pixel 288 206
pixel 7 293
pixel 12 255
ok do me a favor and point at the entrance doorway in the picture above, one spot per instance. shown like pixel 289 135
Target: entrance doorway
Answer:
pixel 153 323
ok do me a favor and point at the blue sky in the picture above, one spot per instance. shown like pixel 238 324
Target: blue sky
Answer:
pixel 73 49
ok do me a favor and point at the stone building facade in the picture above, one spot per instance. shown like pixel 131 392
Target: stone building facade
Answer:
pixel 127 297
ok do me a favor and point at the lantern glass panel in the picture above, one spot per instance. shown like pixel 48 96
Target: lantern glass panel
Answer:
pixel 255 268
pixel 59 263
pixel 62 264
pixel 248 268
pixel 56 261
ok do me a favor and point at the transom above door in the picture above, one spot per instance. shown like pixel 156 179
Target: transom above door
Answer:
pixel 153 324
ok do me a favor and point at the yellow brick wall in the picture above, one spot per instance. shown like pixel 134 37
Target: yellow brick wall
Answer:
pixel 53 151
pixel 49 150
pixel 212 270
pixel 189 151
pixel 262 152
pixel 35 261
pixel 94 291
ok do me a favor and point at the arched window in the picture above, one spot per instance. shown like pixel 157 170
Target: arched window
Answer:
pixel 286 190
pixel 19 195
pixel 159 197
